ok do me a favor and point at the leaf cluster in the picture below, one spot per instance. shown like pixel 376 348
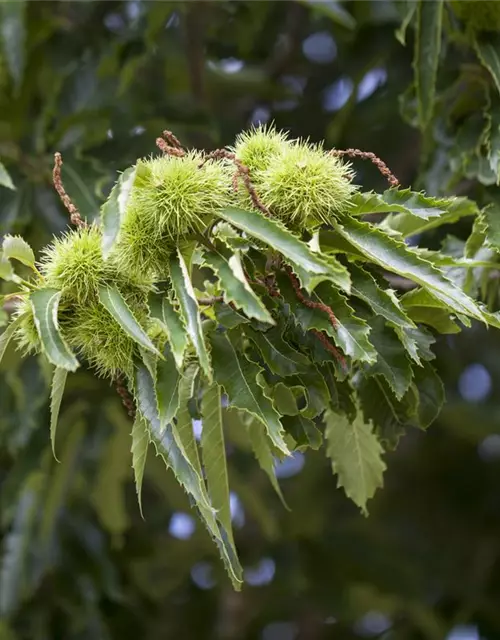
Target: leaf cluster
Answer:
pixel 295 326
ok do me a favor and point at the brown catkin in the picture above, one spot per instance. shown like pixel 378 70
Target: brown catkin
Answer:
pixel 243 172
pixel 75 216
pixel 368 155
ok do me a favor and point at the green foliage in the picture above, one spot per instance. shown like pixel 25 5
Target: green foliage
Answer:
pixel 398 268
pixel 295 292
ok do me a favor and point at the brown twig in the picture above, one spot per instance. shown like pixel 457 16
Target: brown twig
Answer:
pixel 168 149
pixel 310 303
pixel 241 171
pixel 124 394
pixel 368 155
pixel 172 139
pixel 75 216
pixel 330 347
pixel 322 307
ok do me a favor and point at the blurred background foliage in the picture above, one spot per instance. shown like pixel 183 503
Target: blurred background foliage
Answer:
pixel 98 81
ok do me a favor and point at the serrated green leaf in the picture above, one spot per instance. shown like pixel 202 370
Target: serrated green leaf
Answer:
pixel 5 179
pixel 438 319
pixel 163 310
pixel 150 360
pixel 416 341
pixel 238 376
pixel 214 455
pixel 280 357
pixel 114 302
pixel 398 200
pixel 491 218
pixel 182 428
pixel 14 247
pixel 114 208
pixel 174 458
pixel 139 450
pixel 14 36
pixel 262 451
pixel 408 224
pixel 235 286
pixel 6 270
pixel 167 387
pixel 383 303
pixel 351 335
pixel 426 59
pixel 7 335
pixel 356 456
pixel 163 439
pixel 190 311
pixel 56 394
pixel 45 303
pixel 487 47
pixel 425 309
pixel 392 362
pixel 278 237
pixel 395 256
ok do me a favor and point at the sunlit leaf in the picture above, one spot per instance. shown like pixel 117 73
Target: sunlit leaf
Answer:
pixel 214 455
pixel 174 458
pixel 45 303
pixel 56 395
pixel 139 450
pixel 190 311
pixel 163 310
pixel 114 302
pixel 167 387
pixel 235 286
pixel 114 208
pixel 356 456
pixel 5 179
pixel 277 236
pixel 14 247
pixel 395 256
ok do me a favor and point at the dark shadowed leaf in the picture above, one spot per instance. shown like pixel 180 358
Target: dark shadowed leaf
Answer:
pixel 239 378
